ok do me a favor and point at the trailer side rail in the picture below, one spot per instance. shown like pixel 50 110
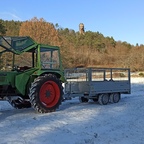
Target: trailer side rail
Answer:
pixel 93 81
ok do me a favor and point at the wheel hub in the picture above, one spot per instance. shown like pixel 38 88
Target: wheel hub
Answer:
pixel 47 94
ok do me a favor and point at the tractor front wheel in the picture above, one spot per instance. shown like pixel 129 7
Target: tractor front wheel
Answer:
pixel 46 93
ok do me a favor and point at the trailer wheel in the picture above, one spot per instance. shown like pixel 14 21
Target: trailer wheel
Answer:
pixel 46 93
pixel 83 99
pixel 95 99
pixel 115 97
pixel 103 99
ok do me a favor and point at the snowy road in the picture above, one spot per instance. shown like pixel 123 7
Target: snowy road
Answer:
pixel 78 123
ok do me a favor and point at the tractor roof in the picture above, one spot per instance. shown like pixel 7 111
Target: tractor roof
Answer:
pixel 19 44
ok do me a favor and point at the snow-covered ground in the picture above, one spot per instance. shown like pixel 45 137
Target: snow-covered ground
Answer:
pixel 78 123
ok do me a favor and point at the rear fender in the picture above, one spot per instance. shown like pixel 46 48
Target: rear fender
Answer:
pixel 22 80
pixel 57 73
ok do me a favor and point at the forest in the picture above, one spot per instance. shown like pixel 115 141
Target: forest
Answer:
pixel 91 49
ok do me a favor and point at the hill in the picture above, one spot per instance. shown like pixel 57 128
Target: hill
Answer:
pixel 92 49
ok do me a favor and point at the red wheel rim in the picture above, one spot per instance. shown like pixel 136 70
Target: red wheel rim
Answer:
pixel 49 94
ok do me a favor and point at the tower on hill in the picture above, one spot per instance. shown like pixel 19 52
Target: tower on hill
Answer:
pixel 81 28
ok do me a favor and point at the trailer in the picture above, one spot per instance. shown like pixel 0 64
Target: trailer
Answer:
pixel 104 85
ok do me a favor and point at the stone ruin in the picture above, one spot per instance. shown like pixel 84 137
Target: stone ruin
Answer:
pixel 81 28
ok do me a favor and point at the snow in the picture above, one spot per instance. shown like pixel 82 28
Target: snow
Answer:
pixel 78 123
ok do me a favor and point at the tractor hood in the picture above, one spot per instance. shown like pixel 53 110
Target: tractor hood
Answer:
pixel 16 45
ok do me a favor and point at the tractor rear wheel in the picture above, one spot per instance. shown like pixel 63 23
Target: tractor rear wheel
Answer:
pixel 46 93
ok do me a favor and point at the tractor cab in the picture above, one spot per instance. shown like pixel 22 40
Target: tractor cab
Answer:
pixel 22 53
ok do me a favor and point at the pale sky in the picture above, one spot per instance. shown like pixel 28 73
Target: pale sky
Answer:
pixel 121 19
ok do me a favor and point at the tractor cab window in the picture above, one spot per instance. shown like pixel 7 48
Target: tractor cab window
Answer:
pixel 23 60
pixel 5 60
pixel 10 61
pixel 26 60
pixel 49 58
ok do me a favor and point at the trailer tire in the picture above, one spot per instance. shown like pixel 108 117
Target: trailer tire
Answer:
pixel 95 99
pixel 46 93
pixel 83 99
pixel 103 99
pixel 115 97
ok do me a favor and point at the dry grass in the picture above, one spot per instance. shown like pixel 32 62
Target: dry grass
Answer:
pixel 114 57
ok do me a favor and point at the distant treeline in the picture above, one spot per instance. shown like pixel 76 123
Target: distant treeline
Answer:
pixel 92 49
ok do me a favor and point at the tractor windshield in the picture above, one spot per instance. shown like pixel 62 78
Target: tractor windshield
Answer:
pixel 49 58
pixel 15 44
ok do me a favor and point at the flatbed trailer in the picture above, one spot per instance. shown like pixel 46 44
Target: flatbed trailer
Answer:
pixel 99 84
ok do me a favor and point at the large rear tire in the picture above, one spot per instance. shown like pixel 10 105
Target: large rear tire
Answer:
pixel 46 93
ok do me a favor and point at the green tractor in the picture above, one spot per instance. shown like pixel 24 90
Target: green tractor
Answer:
pixel 31 74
